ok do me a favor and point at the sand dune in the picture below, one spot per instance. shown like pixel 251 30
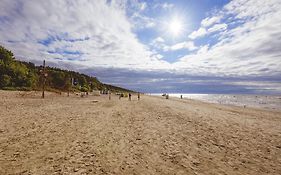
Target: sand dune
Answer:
pixel 92 135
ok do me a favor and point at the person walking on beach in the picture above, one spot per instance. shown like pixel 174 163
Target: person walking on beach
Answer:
pixel 138 96
pixel 109 95
pixel 130 96
pixel 181 96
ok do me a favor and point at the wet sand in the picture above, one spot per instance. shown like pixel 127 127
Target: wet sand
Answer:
pixel 92 135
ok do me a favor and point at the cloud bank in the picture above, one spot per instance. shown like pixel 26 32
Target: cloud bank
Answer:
pixel 86 33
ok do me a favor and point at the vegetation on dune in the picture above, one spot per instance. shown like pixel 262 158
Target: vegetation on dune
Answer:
pixel 20 75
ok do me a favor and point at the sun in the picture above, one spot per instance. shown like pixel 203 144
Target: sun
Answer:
pixel 175 27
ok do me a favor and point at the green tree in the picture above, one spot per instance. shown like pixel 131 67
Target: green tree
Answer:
pixel 5 80
pixel 57 79
pixel 6 56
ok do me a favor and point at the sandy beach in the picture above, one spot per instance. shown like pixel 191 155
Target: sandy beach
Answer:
pixel 92 135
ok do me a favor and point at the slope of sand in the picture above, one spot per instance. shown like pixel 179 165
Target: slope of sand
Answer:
pixel 92 135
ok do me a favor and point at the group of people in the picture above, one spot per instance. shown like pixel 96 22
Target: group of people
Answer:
pixel 122 95
pixel 130 96
pixel 167 96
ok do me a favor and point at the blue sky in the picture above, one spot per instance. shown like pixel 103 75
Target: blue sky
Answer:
pixel 188 46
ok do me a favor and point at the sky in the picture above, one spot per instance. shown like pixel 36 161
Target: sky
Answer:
pixel 153 46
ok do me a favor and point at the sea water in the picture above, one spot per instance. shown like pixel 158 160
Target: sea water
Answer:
pixel 270 102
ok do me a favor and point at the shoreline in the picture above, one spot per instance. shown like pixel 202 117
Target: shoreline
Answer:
pixel 256 101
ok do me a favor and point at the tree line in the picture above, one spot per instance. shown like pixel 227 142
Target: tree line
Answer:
pixel 21 75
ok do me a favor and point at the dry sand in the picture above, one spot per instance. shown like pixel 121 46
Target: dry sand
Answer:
pixel 92 135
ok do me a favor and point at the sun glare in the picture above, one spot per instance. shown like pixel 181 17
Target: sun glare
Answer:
pixel 175 27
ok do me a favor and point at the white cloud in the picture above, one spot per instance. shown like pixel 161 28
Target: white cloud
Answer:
pixel 158 43
pixel 159 40
pixel 159 56
pixel 136 11
pixel 203 49
pixel 201 32
pixel 189 45
pixel 217 27
pixel 140 21
pixel 198 33
pixel 245 9
pixel 165 6
pixel 210 21
pixel 133 5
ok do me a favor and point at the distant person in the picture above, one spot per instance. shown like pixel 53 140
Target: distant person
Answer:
pixel 130 96
pixel 138 96
pixel 181 96
pixel 109 95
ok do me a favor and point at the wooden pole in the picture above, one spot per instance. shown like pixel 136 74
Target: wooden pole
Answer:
pixel 44 79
